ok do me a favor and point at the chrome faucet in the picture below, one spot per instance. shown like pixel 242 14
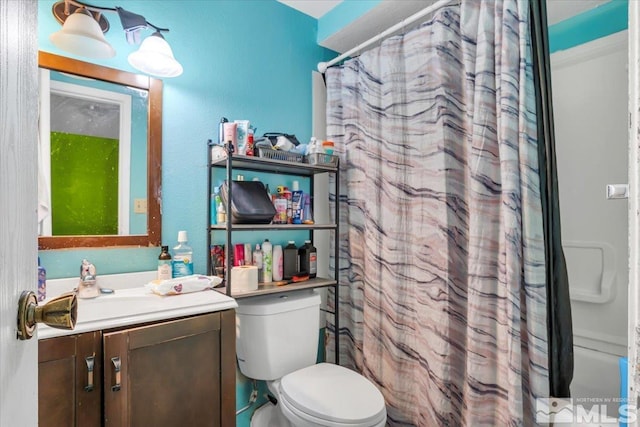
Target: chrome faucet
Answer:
pixel 88 287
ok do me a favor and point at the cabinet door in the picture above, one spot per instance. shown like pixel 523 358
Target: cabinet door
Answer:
pixel 172 373
pixel 69 381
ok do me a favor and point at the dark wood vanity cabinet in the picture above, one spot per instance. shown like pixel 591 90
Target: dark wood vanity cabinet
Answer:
pixel 173 373
pixel 69 381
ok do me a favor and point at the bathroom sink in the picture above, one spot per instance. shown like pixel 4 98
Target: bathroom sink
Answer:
pixel 122 302
pixel 138 305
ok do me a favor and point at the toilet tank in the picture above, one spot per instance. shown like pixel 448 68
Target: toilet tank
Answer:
pixel 277 334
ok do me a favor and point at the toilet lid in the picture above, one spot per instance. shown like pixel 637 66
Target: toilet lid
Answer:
pixel 334 393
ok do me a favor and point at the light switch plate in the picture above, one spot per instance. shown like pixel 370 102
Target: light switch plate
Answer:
pixel 617 191
pixel 140 206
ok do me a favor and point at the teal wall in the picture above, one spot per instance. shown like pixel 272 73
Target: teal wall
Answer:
pixel 249 59
pixel 602 21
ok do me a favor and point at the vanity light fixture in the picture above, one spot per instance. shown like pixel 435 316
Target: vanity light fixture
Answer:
pixel 82 34
pixel 155 57
pixel 82 31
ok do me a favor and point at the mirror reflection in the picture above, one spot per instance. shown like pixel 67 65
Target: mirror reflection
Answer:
pixel 92 158
pixel 99 156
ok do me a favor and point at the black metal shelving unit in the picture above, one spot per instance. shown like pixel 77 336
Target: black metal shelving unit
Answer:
pixel 231 163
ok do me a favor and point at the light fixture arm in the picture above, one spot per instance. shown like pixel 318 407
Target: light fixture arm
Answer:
pixel 158 29
pixel 142 21
pixel 93 8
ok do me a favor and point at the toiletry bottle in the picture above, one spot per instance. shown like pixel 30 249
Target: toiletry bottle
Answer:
pixel 182 257
pixel 277 263
pixel 307 214
pixel 213 210
pixel 257 261
pixel 312 147
pixel 221 215
pixel 290 260
pixel 308 259
pixel 248 254
pixel 296 204
pixel 280 204
pixel 238 254
pixel 267 261
pixel 250 146
pixel 223 120
pixel 164 264
pixel 287 195
pixel 42 282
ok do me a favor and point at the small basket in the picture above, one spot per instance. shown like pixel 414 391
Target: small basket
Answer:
pixel 286 156
pixel 322 159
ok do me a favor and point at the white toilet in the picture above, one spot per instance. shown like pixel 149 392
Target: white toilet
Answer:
pixel 277 341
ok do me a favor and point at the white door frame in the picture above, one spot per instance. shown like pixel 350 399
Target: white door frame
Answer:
pixel 18 202
pixel 634 201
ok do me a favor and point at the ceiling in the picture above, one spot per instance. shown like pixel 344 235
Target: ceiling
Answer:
pixel 314 8
pixel 557 10
pixel 390 12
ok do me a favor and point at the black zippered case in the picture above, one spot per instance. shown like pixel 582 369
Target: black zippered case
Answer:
pixel 250 203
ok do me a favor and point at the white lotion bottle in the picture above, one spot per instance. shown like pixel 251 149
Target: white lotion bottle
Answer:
pixel 277 263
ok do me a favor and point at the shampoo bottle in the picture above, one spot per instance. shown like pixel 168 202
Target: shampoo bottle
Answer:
pixel 277 263
pixel 182 257
pixel 267 261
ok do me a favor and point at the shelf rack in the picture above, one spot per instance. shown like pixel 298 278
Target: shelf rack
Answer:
pixel 232 162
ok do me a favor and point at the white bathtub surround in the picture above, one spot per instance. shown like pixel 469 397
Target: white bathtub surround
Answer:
pixel 591 134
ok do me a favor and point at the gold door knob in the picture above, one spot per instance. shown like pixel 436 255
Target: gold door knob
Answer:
pixel 60 312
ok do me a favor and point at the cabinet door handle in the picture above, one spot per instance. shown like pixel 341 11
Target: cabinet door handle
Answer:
pixel 90 361
pixel 115 361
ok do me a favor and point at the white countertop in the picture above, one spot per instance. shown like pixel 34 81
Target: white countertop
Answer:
pixel 131 304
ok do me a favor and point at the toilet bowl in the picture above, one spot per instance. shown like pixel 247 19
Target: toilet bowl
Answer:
pixel 323 395
pixel 277 341
pixel 331 395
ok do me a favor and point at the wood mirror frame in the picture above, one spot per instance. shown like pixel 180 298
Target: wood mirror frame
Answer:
pixel 154 153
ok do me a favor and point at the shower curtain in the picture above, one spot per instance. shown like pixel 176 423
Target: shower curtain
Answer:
pixel 441 260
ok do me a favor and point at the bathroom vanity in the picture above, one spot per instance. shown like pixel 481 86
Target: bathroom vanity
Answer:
pixel 138 359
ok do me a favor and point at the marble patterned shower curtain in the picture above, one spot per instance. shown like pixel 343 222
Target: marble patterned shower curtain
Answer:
pixel 441 258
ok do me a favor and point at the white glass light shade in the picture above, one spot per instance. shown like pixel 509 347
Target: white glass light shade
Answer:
pixel 155 57
pixel 81 35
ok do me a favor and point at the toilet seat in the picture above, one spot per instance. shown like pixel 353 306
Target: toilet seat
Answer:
pixel 330 395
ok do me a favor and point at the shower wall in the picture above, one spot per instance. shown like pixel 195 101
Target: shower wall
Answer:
pixel 591 119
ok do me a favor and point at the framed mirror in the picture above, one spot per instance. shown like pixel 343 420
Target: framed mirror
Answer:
pixel 100 143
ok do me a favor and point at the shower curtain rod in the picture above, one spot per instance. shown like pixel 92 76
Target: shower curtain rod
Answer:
pixel 322 66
